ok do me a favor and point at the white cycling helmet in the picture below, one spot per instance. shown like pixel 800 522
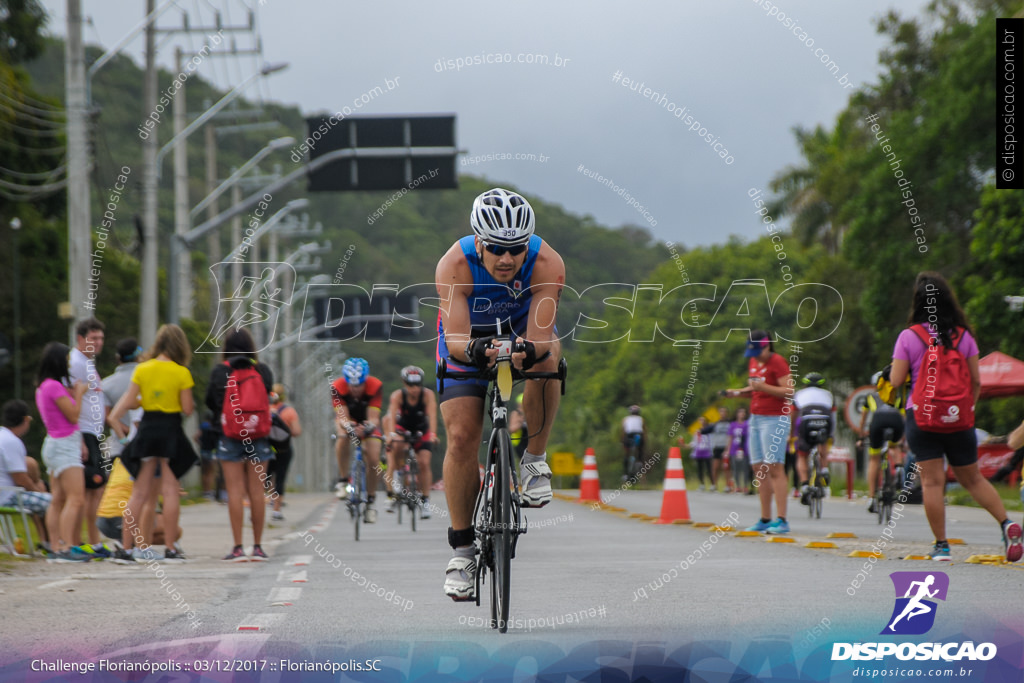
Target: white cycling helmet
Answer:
pixel 502 218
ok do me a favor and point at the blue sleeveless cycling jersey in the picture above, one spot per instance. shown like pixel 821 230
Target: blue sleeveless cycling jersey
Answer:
pixel 491 300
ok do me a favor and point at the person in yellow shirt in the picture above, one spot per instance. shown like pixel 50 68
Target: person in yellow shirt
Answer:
pixel 162 386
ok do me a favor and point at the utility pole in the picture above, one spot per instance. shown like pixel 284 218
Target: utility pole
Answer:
pixel 79 241
pixel 148 301
pixel 180 295
pixel 213 239
pixel 236 235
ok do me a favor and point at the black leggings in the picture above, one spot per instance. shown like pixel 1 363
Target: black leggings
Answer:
pixel 279 468
pixel 704 467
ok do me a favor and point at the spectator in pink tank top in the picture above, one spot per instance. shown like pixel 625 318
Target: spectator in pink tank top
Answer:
pixel 63 450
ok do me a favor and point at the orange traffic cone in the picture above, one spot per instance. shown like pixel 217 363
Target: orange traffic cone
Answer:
pixel 674 506
pixel 590 485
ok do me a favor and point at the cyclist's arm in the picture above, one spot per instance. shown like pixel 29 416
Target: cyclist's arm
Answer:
pixel 375 404
pixel 549 278
pixel 431 401
pixel 454 282
pixel 863 421
pixel 373 416
pixel 394 409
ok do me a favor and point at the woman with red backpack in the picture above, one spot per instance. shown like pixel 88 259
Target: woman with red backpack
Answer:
pixel 238 395
pixel 940 354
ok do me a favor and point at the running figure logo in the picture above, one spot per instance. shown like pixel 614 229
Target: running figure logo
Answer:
pixel 914 612
pixel 254 301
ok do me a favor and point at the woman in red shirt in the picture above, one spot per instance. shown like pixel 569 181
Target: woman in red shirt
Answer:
pixel 770 388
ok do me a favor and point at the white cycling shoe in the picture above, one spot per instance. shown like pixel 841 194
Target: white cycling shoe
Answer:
pixel 460 579
pixel 536 484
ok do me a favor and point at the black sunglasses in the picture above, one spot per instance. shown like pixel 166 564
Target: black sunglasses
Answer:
pixel 499 250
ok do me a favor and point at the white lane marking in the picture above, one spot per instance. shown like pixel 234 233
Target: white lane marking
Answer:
pixel 58 584
pixel 284 594
pixel 260 622
pixel 292 577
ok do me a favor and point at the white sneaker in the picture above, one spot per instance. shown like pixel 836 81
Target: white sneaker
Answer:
pixel 460 579
pixel 145 555
pixel 370 516
pixel 341 490
pixel 536 484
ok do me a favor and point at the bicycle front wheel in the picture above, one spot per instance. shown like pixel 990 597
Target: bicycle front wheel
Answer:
pixel 501 516
pixel 359 492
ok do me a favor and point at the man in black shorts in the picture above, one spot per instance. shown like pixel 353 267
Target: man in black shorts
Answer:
pixel 502 271
pixel 413 412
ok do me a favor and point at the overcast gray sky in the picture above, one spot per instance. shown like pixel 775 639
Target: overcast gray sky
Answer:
pixel 745 75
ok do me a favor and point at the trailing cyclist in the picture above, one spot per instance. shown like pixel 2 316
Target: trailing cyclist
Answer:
pixel 503 275
pixel 877 417
pixel 634 435
pixel 814 426
pixel 357 397
pixel 412 410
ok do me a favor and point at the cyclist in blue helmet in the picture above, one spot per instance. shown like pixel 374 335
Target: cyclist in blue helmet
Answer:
pixel 357 397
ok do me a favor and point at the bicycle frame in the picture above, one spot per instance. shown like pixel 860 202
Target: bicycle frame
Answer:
pixel 407 482
pixel 497 513
pixel 358 497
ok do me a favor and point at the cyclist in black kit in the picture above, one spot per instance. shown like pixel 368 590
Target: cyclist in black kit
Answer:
pixel 412 410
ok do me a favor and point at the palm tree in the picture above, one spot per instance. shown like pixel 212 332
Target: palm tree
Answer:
pixel 800 193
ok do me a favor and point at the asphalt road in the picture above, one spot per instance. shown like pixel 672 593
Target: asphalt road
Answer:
pixel 585 580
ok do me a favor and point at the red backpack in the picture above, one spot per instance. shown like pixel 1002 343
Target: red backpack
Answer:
pixel 943 396
pixel 246 411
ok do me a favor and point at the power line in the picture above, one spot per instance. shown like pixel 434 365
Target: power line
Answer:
pixel 29 117
pixel 45 188
pixel 36 132
pixel 32 150
pixel 35 176
pixel 56 111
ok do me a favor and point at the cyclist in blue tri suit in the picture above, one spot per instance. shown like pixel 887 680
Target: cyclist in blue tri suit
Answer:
pixel 503 275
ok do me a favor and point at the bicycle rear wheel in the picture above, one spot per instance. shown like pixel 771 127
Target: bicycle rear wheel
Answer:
pixel 501 500
pixel 634 461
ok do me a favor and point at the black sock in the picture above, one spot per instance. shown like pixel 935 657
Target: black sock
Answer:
pixel 765 521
